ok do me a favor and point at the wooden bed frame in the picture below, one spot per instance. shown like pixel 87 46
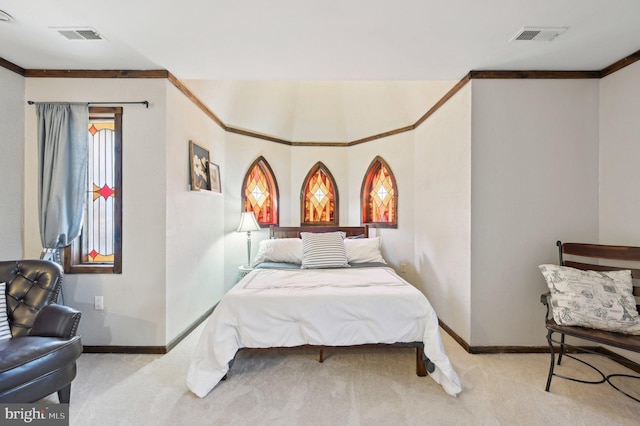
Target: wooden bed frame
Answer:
pixel 294 231
pixel 423 364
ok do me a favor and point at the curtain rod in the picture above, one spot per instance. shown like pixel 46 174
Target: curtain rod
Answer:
pixel 145 103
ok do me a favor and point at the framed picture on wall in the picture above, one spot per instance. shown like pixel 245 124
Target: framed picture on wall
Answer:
pixel 199 161
pixel 214 178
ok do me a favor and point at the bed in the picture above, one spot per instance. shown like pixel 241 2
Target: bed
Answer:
pixel 321 287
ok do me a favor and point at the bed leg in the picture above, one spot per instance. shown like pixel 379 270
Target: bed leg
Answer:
pixel 421 369
pixel 321 358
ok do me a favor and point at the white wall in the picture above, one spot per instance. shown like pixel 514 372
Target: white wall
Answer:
pixel 240 153
pixel 619 153
pixel 534 181
pixel 332 111
pixel 397 151
pixel 442 192
pixel 290 166
pixel 12 107
pixel 486 186
pixel 195 220
pixel 173 246
pixel 195 231
pixel 134 301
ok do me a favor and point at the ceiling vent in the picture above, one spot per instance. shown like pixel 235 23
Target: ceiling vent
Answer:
pixel 538 33
pixel 79 33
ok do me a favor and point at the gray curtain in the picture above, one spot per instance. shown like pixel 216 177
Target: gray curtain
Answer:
pixel 62 174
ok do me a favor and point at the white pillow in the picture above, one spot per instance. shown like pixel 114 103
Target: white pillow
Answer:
pixel 323 250
pixel 5 332
pixel 601 300
pixel 286 250
pixel 363 250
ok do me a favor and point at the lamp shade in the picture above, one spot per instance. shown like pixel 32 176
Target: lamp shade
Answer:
pixel 248 222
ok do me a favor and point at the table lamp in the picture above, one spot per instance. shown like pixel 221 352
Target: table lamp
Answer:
pixel 248 223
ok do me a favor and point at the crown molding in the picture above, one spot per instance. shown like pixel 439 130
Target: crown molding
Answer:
pixel 11 67
pixel 532 74
pixel 617 66
pixel 255 135
pixel 193 98
pixel 474 74
pixel 443 100
pixel 31 73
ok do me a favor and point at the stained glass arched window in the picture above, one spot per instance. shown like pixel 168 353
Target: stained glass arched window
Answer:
pixel 260 193
pixel 379 196
pixel 319 197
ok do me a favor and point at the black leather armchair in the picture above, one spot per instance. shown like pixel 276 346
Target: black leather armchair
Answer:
pixel 40 358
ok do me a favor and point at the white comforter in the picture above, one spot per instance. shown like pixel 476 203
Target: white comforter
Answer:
pixel 331 307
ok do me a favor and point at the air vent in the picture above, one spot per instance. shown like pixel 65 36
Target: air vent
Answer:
pixel 538 33
pixel 79 33
pixel 4 16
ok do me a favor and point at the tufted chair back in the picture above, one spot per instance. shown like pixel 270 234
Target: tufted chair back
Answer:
pixel 31 285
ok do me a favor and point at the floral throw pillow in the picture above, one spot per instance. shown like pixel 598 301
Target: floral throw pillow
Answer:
pixel 593 299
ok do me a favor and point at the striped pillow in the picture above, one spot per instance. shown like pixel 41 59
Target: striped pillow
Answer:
pixel 5 332
pixel 323 250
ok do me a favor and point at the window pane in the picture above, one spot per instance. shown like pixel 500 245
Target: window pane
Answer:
pixel 382 197
pixel 260 193
pixel 97 241
pixel 319 197
pixel 98 250
pixel 379 195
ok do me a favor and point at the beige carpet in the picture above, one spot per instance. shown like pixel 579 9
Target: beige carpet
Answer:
pixel 352 387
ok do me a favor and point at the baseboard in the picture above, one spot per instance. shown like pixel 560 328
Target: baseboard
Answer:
pixel 619 359
pixel 502 349
pixel 454 335
pixel 508 349
pixel 536 349
pixel 149 350
pixel 172 344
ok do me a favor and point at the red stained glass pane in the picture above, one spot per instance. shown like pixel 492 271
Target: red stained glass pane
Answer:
pixel 97 234
pixel 379 198
pixel 260 193
pixel 104 192
pixel 319 199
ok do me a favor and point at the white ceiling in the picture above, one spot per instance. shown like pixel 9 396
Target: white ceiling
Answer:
pixel 328 40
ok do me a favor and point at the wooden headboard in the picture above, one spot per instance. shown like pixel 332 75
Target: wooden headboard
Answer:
pixel 294 231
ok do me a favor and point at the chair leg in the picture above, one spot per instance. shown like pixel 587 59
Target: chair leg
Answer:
pixel 64 394
pixel 561 348
pixel 553 358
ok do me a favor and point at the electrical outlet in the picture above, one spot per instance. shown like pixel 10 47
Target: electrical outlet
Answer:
pixel 99 303
pixel 403 268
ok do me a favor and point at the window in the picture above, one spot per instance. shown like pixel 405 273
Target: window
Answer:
pixel 260 193
pixel 319 197
pixel 379 196
pixel 99 247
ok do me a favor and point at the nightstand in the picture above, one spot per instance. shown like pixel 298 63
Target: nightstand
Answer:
pixel 243 270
